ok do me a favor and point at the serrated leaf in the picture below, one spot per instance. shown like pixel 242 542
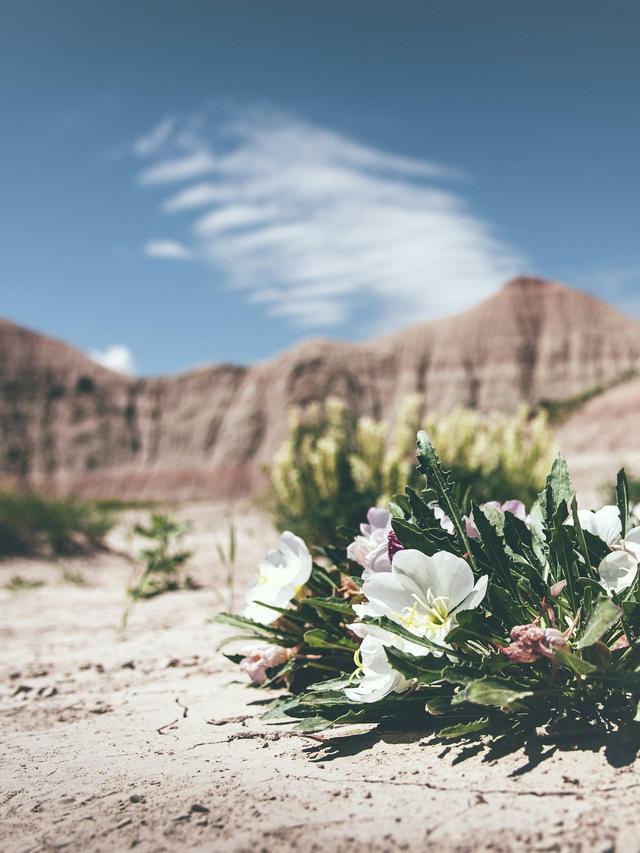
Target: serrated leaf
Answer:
pixel 563 554
pixel 604 615
pixel 412 537
pixel 493 547
pixel 440 482
pixel 558 487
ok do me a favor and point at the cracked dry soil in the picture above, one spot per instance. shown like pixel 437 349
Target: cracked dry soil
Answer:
pixel 148 739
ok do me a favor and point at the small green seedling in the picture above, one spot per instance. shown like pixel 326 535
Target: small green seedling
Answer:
pixel 162 560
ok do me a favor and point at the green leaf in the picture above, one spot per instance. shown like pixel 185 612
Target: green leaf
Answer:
pixel 558 487
pixel 258 630
pixel 622 499
pixel 471 625
pixel 462 729
pixel 574 663
pixel 493 547
pixel 490 691
pixel 421 540
pixel 441 484
pixel 413 667
pixel 337 605
pixel 319 639
pixel 394 628
pixel 582 542
pixel 563 555
pixel 604 615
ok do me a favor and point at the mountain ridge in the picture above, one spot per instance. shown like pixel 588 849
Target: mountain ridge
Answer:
pixel 70 424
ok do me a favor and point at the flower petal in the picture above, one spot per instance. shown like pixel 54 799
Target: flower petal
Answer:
pixel 296 557
pixel 516 508
pixel 607 524
pixel 388 594
pixel 379 678
pixel 443 575
pixel 475 596
pixel 380 518
pixel 618 571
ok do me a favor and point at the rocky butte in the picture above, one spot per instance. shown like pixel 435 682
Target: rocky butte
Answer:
pixel 71 425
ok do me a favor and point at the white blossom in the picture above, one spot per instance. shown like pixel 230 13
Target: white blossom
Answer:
pixel 281 575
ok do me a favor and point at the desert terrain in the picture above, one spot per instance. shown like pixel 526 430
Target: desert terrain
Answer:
pixel 147 738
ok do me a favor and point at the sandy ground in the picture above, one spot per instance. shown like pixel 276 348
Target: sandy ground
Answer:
pixel 149 739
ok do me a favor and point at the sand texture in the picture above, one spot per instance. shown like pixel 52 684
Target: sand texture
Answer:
pixel 150 739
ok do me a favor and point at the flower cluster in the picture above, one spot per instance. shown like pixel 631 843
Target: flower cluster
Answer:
pixel 531 618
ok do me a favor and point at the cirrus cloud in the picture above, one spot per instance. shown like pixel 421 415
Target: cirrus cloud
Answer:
pixel 170 249
pixel 318 228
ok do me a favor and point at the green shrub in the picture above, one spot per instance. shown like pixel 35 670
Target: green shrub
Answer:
pixel 494 457
pixel 35 524
pixel 162 560
pixel 332 467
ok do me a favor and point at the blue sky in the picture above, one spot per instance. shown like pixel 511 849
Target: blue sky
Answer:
pixel 211 181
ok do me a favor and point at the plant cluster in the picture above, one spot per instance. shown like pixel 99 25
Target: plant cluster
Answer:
pixel 31 523
pixel 333 466
pixel 162 561
pixel 458 617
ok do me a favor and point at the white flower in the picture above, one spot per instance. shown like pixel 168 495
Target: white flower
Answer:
pixel 280 576
pixel 422 594
pixel 605 523
pixel 377 677
pixel 371 548
pixel 618 569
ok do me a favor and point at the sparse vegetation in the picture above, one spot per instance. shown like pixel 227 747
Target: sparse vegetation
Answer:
pixel 121 504
pixel 227 558
pixel 559 410
pixel 19 584
pixel 31 523
pixel 162 561
pixel 332 467
pixel 73 577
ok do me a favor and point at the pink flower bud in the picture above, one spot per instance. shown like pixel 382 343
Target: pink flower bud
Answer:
pixel 261 658
pixel 393 545
pixel 530 642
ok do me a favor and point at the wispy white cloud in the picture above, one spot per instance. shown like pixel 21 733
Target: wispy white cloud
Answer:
pixel 323 230
pixel 116 357
pixel 167 249
pixel 146 145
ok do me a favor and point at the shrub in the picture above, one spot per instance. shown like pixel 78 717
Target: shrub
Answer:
pixel 35 524
pixel 332 467
pixel 497 456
